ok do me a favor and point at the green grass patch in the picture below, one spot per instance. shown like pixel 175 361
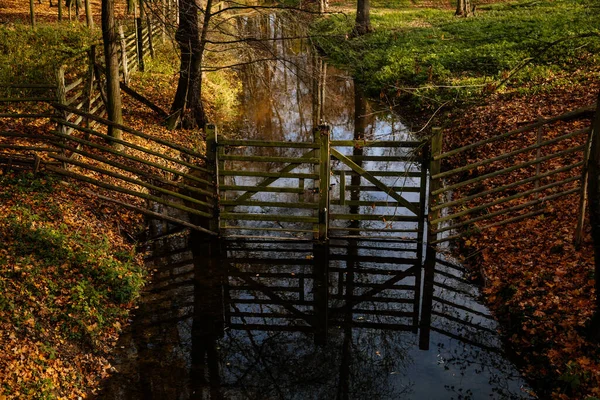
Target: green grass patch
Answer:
pixel 437 57
pixel 33 56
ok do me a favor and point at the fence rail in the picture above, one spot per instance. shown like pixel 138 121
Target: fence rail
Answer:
pixel 529 171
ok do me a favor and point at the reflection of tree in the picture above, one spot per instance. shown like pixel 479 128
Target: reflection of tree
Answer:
pixel 266 296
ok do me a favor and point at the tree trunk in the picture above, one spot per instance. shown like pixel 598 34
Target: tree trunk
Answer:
pixel 464 8
pixel 32 13
pixel 88 14
pixel 111 54
pixel 188 97
pixel 594 210
pixel 363 20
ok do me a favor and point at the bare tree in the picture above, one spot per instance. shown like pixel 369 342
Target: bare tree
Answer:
pixel 192 43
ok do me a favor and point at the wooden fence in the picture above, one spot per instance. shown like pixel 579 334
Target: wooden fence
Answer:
pixel 148 168
pixel 320 189
pixel 516 181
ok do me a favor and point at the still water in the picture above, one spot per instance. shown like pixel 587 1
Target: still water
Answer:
pixel 358 318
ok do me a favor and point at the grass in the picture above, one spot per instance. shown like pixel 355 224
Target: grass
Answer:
pixel 30 56
pixel 518 46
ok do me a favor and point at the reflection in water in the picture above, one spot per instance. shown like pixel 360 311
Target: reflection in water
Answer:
pixel 284 99
pixel 302 321
pixel 358 319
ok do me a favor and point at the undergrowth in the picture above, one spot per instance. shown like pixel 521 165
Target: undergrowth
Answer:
pixel 65 287
pixel 429 53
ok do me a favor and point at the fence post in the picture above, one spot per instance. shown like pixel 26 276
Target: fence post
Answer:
pixel 61 97
pixel 434 184
pixel 213 164
pixel 89 89
pixel 124 60
pixel 422 199
pixel 150 43
pixel 139 43
pixel 583 193
pixel 538 153
pixel 323 132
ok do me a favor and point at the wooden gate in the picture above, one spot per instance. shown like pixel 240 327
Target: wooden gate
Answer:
pixel 321 189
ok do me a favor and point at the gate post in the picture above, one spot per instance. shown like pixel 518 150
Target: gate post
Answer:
pixel 322 133
pixel 213 165
pixel 434 184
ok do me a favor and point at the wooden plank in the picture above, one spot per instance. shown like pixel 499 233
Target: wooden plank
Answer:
pixel 269 204
pixel 267 217
pixel 29 86
pixel 375 143
pixel 262 174
pixel 21 115
pixel 322 133
pixel 374 217
pixel 505 187
pixel 510 154
pixel 73 85
pixel 396 173
pixel 506 211
pixel 127 129
pixel 268 181
pixel 366 203
pixel 155 214
pixel 505 199
pixel 566 116
pixel 267 143
pixel 239 228
pixel 384 158
pixel 25 99
pixel 130 157
pixel 147 175
pixel 342 200
pixel 287 160
pixel 127 191
pixel 31 148
pixel 256 189
pixel 374 181
pixel 407 189
pixel 368 230
pixel 509 169
pixel 132 180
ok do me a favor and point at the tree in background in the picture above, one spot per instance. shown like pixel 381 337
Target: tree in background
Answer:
pixel 464 8
pixel 111 51
pixel 363 20
pixel 187 103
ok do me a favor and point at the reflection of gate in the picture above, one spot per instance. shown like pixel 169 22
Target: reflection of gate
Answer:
pixel 275 286
pixel 320 189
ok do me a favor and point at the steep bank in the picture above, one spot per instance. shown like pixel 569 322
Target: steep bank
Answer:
pixel 486 76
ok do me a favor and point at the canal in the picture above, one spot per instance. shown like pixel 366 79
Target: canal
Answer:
pixel 268 313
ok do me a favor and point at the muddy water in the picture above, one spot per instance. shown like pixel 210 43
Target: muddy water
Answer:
pixel 292 319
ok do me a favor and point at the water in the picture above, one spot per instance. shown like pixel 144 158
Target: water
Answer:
pixel 292 319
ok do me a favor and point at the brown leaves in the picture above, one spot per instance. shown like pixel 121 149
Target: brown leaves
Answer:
pixel 538 285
